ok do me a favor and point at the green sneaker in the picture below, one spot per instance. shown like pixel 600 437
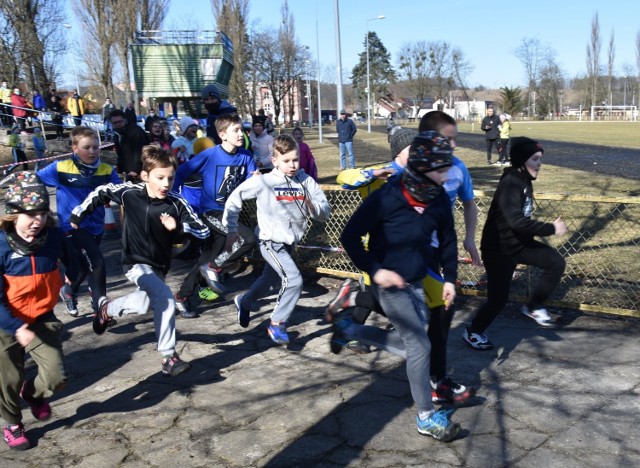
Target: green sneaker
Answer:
pixel 208 294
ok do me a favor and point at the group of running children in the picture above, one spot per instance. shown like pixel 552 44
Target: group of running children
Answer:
pixel 408 224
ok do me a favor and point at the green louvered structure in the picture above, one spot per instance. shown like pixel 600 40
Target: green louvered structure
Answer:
pixel 171 66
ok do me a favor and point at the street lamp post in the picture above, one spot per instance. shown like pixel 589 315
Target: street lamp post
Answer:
pixel 75 67
pixel 379 17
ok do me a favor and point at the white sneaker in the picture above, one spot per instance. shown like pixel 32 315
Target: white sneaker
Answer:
pixel 212 277
pixel 541 316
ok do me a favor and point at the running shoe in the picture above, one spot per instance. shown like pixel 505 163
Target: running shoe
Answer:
pixel 213 277
pixel 14 436
pixel 184 307
pixel 341 301
pixel 278 333
pixel 69 299
pixel 101 319
pixel 476 340
pixel 207 294
pixel 39 406
pixel 439 426
pixel 541 316
pixel 448 391
pixel 243 313
pixel 173 365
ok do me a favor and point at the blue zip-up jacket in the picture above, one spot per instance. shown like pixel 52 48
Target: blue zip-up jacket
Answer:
pixel 346 130
pixel 72 189
pixel 400 234
pixel 221 173
pixel 29 285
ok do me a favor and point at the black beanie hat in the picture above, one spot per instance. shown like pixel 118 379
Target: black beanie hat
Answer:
pixel 522 148
pixel 400 138
pixel 210 90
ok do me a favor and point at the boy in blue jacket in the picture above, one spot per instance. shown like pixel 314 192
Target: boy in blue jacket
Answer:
pixel 400 219
pixel 74 179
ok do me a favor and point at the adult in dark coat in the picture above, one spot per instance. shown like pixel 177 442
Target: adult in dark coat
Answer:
pixel 129 139
pixel 216 106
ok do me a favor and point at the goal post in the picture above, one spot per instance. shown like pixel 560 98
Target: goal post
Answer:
pixel 614 113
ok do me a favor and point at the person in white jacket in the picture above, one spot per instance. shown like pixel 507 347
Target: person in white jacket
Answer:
pixel 285 197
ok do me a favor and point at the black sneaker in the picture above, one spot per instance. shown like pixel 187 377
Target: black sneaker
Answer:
pixel 101 320
pixel 448 391
pixel 69 299
pixel 476 340
pixel 173 365
pixel 341 301
pixel 184 307
pixel 244 315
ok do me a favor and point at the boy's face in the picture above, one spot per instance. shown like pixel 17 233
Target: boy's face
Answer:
pixel 233 135
pixel 159 181
pixel 87 149
pixel 29 225
pixel 533 164
pixel 439 176
pixel 287 163
pixel 451 132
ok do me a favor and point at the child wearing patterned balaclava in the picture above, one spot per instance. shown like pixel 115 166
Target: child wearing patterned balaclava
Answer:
pixel 30 246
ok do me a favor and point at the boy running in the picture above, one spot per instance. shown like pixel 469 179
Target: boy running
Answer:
pixel 155 218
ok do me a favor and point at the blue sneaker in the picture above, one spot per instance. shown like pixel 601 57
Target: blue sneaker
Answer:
pixel 278 333
pixel 243 312
pixel 439 425
pixel 339 339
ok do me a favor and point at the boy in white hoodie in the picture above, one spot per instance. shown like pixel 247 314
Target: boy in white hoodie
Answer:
pixel 285 197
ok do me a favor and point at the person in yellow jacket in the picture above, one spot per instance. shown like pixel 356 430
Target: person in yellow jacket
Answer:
pixel 5 100
pixel 505 131
pixel 75 106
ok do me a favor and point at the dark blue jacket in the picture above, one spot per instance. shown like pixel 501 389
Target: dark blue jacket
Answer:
pixel 346 130
pixel 400 236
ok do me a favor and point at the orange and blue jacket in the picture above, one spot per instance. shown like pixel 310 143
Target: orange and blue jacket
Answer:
pixel 30 284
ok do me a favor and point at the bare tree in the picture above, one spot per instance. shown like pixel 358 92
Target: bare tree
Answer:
pixel 32 36
pixel 97 19
pixel 611 57
pixel 152 13
pixel 231 18
pixel 414 63
pixel 593 59
pixel 294 57
pixel 531 54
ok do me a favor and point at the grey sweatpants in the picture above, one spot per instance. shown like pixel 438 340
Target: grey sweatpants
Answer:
pixel 154 294
pixel 407 311
pixel 280 271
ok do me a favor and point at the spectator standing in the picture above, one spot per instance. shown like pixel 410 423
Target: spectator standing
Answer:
pixel 20 106
pixel 505 132
pixel 183 145
pixel 262 145
pixel 148 122
pixel 75 106
pixel 39 103
pixel 107 109
pixel 489 126
pixel 56 110
pixel 5 100
pixel 260 117
pixel 130 113
pixel 307 161
pixel 269 127
pixel 216 107
pixel 129 139
pixel 508 240
pixel 346 129
pixel 157 136
pixel 39 145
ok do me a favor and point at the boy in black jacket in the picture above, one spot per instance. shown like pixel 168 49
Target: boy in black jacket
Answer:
pixel 507 240
pixel 155 219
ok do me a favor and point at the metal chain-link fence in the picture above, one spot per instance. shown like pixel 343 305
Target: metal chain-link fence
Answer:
pixel 601 249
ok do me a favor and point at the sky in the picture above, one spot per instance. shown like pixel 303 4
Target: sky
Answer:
pixel 487 33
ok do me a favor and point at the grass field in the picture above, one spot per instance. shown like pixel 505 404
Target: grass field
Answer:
pixel 373 147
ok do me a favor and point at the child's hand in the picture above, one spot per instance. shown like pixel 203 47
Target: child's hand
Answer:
pixel 232 237
pixel 448 294
pixel 560 226
pixel 24 336
pixel 383 173
pixel 168 221
pixel 74 226
pixel 388 279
